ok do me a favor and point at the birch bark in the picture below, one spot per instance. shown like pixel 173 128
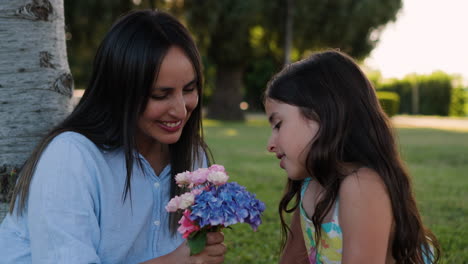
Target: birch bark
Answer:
pixel 35 80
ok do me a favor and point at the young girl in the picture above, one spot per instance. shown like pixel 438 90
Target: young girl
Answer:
pixel 94 190
pixel 347 188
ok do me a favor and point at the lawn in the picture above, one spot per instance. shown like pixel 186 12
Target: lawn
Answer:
pixel 437 160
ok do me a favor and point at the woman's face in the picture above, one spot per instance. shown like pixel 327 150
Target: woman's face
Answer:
pixel 173 98
pixel 291 137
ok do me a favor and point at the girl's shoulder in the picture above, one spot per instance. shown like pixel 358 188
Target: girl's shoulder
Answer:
pixel 364 200
pixel 362 181
pixel 365 215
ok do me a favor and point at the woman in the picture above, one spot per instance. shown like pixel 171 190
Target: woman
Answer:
pixel 94 189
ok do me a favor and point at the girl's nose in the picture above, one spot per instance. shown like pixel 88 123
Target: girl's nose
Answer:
pixel 270 146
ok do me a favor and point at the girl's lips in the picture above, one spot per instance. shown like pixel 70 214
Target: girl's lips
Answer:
pixel 170 126
pixel 281 156
pixel 282 162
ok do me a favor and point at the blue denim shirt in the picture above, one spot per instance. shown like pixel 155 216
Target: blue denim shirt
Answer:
pixel 75 212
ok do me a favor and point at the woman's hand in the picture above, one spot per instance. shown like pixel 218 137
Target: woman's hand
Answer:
pixel 212 254
pixel 214 250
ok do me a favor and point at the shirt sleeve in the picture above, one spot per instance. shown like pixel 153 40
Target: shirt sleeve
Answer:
pixel 63 223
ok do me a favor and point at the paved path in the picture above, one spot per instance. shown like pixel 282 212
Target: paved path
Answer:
pixel 446 123
pixel 458 124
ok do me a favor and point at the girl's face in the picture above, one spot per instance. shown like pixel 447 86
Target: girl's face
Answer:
pixel 173 98
pixel 290 138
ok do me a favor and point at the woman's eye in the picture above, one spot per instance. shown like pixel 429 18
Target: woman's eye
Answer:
pixel 158 97
pixel 190 89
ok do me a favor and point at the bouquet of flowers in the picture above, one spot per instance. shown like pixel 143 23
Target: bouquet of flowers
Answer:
pixel 211 204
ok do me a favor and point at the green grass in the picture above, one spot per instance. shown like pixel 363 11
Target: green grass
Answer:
pixel 437 160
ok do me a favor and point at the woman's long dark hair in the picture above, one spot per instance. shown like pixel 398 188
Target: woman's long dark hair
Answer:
pixel 124 71
pixel 330 88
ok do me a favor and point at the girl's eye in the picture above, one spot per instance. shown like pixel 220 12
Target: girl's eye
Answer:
pixel 277 126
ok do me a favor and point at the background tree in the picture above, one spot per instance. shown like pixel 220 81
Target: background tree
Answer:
pixel 35 81
pixel 87 21
pixel 242 42
pixel 351 26
pixel 224 30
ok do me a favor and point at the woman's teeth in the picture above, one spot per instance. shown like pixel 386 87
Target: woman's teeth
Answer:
pixel 172 124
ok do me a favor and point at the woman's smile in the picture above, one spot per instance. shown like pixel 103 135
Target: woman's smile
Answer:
pixel 171 126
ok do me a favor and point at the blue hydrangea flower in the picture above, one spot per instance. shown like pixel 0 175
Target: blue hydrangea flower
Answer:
pixel 226 205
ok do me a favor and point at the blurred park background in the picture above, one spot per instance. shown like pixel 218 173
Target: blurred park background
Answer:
pixel 243 43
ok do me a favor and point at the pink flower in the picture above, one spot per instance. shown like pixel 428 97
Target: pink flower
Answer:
pixel 216 167
pixel 199 176
pixel 197 191
pixel 186 200
pixel 173 204
pixel 218 177
pixel 183 178
pixel 187 226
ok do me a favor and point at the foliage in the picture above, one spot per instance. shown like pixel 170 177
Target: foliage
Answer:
pixel 436 159
pixel 257 74
pixel 374 76
pixel 434 93
pixel 233 34
pixel 225 32
pixel 222 28
pixel 390 102
pixel 223 36
pixel 352 26
pixel 404 90
pixel 458 101
pixel 86 23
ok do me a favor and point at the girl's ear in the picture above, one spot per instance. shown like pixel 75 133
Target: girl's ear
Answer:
pixel 313 125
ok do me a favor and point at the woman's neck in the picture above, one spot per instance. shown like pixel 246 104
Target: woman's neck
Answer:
pixel 155 153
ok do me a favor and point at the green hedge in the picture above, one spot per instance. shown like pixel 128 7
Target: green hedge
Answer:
pixel 389 101
pixel 434 93
pixel 459 100
pixel 403 89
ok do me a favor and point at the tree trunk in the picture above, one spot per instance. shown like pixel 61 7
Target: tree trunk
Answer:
pixel 226 99
pixel 35 81
pixel 288 31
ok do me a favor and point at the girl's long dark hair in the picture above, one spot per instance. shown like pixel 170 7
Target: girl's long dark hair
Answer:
pixel 330 88
pixel 124 71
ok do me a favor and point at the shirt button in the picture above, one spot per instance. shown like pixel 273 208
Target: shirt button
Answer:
pixel 156 184
pixel 156 223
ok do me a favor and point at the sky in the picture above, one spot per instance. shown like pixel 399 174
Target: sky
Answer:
pixel 428 35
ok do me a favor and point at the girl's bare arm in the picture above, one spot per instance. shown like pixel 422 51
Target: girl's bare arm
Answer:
pixel 295 251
